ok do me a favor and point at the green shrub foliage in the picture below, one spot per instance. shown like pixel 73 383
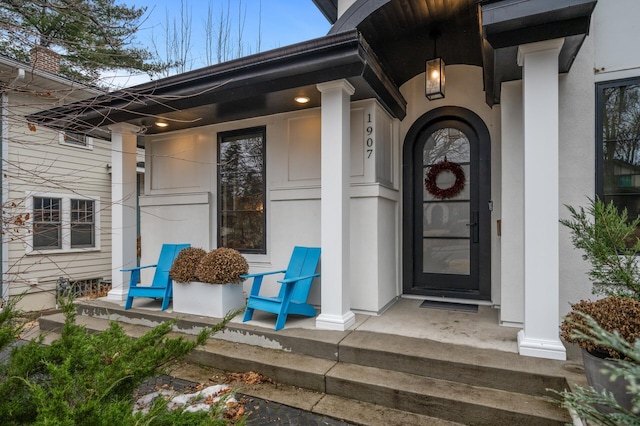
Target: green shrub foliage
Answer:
pixel 10 324
pixel 89 378
pixel 609 243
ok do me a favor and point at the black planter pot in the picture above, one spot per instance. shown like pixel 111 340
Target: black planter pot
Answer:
pixel 593 366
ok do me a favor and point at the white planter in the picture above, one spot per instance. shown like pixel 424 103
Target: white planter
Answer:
pixel 211 300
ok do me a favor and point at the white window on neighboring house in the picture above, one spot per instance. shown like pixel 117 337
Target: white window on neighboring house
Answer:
pixel 82 223
pixel 47 223
pixel 77 140
pixel 63 223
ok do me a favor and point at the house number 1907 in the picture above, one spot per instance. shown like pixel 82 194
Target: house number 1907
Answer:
pixel 369 136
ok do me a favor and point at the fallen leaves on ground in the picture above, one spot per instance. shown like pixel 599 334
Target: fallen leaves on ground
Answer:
pixel 235 410
pixel 248 378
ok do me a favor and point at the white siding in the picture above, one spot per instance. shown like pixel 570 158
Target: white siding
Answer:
pixel 38 162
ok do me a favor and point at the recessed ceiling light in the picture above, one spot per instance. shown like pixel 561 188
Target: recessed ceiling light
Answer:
pixel 162 124
pixel 302 99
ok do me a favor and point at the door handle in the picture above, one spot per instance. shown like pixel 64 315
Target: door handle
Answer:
pixel 474 228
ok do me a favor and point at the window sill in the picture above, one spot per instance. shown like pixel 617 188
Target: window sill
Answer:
pixel 44 252
pixel 77 145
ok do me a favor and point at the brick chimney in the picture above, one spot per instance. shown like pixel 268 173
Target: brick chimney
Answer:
pixel 45 59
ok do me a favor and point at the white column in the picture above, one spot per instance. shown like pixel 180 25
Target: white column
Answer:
pixel 540 336
pixel 123 207
pixel 335 196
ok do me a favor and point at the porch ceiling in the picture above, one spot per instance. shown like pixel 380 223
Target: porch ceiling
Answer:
pixel 398 31
pixel 256 85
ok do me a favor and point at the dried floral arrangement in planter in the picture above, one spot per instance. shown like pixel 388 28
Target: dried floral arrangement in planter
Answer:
pixel 613 314
pixel 222 266
pixel 184 266
pixel 610 243
pixel 208 284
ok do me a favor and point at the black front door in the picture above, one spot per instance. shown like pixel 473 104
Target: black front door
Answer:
pixel 447 213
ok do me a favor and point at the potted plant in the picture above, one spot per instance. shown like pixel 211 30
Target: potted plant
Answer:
pixel 208 284
pixel 610 244
pixel 613 315
pixel 593 406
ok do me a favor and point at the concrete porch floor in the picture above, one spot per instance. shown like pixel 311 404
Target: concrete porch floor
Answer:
pixel 404 318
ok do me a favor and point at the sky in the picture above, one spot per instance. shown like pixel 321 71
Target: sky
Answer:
pixel 283 22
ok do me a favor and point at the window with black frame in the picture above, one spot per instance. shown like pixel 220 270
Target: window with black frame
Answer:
pixel 241 190
pixel 618 144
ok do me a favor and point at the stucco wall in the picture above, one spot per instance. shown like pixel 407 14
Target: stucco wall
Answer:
pixel 577 166
pixel 615 30
pixel 180 201
pixel 609 53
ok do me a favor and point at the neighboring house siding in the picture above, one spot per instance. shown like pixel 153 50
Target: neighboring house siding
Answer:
pixel 40 165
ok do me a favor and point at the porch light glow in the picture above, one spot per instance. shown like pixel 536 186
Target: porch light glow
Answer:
pixel 162 124
pixel 434 86
pixel 302 99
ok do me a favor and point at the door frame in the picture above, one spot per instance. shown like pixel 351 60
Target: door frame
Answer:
pixel 415 134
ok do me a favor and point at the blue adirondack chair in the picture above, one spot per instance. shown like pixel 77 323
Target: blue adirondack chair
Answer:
pixel 294 289
pixel 161 286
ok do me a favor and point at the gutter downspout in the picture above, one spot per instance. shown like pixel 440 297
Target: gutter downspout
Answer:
pixel 4 293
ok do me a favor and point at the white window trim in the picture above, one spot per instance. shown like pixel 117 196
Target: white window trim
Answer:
pixel 88 139
pixel 65 216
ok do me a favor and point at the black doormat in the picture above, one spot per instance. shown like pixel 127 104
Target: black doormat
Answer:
pixel 448 306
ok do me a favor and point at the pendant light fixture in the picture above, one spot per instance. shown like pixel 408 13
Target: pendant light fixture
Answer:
pixel 434 78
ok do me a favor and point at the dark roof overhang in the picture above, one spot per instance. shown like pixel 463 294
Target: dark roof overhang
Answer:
pixel 253 86
pixel 400 32
pixel 329 9
pixel 506 24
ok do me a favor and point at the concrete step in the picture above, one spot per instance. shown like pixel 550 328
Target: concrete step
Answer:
pixel 316 402
pixel 320 344
pixel 479 367
pixel 470 365
pixel 444 399
pixel 385 384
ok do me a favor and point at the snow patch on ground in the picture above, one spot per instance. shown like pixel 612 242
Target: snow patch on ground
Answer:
pixel 197 401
